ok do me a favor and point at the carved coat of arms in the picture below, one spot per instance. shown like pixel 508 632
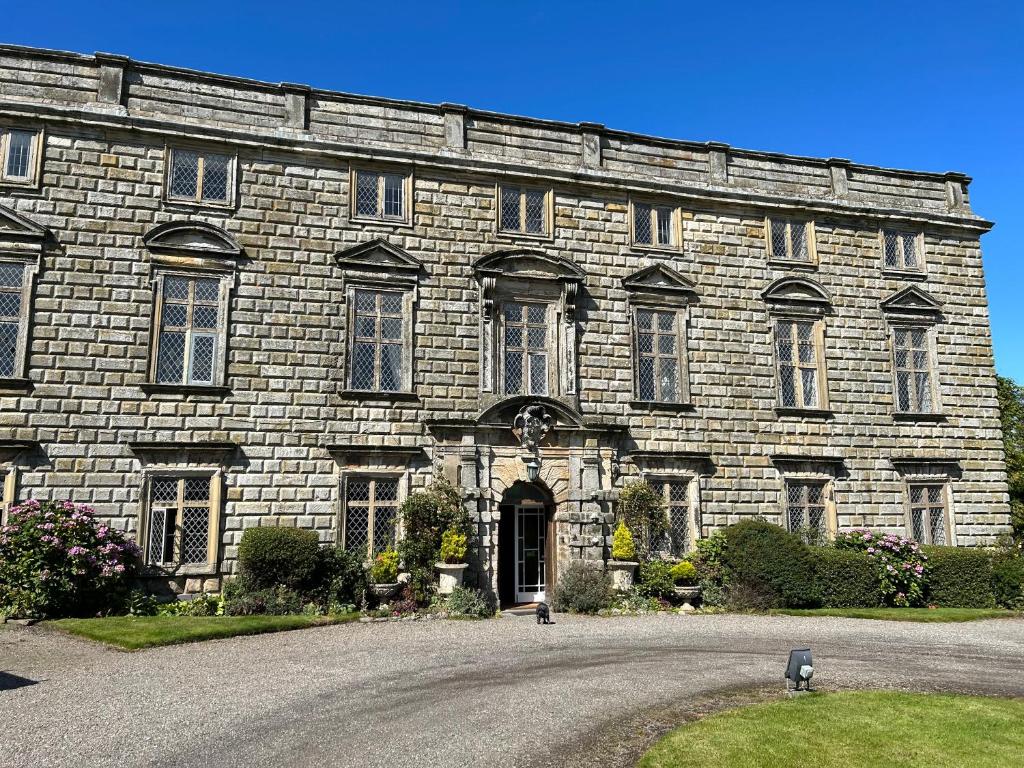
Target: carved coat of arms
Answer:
pixel 530 425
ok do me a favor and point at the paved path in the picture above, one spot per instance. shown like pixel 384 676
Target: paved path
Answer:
pixel 505 692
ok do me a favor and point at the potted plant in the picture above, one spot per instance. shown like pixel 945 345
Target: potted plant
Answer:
pixel 453 564
pixel 622 565
pixel 684 575
pixel 384 574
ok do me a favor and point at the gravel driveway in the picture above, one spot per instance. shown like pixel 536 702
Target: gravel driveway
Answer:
pixel 506 692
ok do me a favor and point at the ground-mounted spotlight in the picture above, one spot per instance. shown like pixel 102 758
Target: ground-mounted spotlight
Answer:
pixel 800 669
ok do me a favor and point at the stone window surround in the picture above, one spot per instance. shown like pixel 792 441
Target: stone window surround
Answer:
pixel 517 234
pixel 8 490
pixel 810 237
pixel 409 294
pixel 907 309
pixel 907 273
pixel 809 469
pixel 401 477
pixel 926 471
pixel 381 169
pixel 220 357
pixel 658 478
pixel 30 269
pixel 201 148
pixel 35 160
pixel 677 224
pixel 178 470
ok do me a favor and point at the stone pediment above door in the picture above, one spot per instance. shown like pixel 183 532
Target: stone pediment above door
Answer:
pixel 379 256
pixel 661 283
pixel 912 301
pixel 527 264
pixel 19 234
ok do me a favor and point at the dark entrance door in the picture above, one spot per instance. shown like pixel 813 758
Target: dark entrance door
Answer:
pixel 525 544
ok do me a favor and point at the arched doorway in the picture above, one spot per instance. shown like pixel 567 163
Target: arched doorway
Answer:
pixel 526 544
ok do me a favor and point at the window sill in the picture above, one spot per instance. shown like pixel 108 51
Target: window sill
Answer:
pixel 30 185
pixel 916 417
pixel 199 205
pixel 185 389
pixel 16 383
pixel 904 274
pixel 804 413
pixel 810 266
pixel 372 396
pixel 529 237
pixel 658 405
pixel 169 570
pixel 673 250
pixel 353 219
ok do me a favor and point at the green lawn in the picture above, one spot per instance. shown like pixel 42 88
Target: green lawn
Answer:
pixel 852 730
pixel 905 614
pixel 135 632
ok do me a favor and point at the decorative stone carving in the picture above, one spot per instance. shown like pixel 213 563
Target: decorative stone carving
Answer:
pixel 530 426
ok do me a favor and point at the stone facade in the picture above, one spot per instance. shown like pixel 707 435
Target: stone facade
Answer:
pixel 282 431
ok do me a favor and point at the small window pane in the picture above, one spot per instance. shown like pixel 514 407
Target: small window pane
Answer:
pixel 645 378
pixel 391 303
pixel 538 374
pixel 195 526
pixel 390 367
pixel 664 219
pixel 19 154
pixel 798 235
pixel 362 365
pixel 509 209
pixel 8 348
pixel 170 367
pixel 780 248
pixel 201 367
pixel 669 380
pixel 394 194
pixel 175 287
pixel 645 320
pixel 642 223
pixel 534 211
pixel 513 373
pixel 391 327
pixel 215 177
pixel 184 173
pixel 366 193
pixel 202 317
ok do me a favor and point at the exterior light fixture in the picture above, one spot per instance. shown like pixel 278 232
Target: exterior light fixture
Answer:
pixel 800 668
pixel 532 468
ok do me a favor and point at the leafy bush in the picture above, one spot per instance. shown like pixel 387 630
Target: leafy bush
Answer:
pixel 655 579
pixel 385 567
pixel 56 559
pixel 454 544
pixel 200 605
pixel 643 510
pixel 711 574
pixel 633 601
pixel 684 573
pixel 959 577
pixel 582 588
pixel 270 557
pixel 342 578
pixel 623 547
pixel 899 563
pixel 767 567
pixel 1008 581
pixel 426 515
pixel 469 602
pixel 845 578
pixel 405 604
pixel 241 599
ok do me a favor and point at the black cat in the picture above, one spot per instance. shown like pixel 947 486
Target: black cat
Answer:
pixel 543 615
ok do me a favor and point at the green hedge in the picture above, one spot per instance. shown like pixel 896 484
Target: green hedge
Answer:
pixel 1008 581
pixel 959 577
pixel 279 557
pixel 767 567
pixel 845 579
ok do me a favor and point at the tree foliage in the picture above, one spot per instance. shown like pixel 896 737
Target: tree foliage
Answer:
pixel 1011 413
pixel 643 510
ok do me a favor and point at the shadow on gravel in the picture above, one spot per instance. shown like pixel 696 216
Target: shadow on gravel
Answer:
pixel 9 682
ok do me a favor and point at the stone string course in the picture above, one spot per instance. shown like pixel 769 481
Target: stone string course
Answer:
pixel 107 123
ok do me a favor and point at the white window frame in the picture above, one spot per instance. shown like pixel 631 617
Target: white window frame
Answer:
pixel 408 296
pixel 220 335
pixel 381 173
pixel 547 227
pixel 810 241
pixel 30 268
pixel 371 476
pixel 682 315
pixel 821 378
pixel 215 476
pixel 35 157
pixel 932 358
pixel 202 152
pixel 942 481
pixel 551 357
pixel 919 251
pixel 675 226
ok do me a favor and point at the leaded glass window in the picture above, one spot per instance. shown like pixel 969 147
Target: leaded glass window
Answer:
pixel 789 240
pixel 180 520
pixel 190 330
pixel 522 210
pixel 200 176
pixel 678 538
pixel 806 509
pixel 12 311
pixel 928 513
pixel 371 514
pixel 913 368
pixel 902 250
pixel 525 348
pixel 799 362
pixel 380 195
pixel 377 340
pixel 653 225
pixel 659 349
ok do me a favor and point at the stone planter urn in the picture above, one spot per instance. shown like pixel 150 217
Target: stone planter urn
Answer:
pixel 386 591
pixel 687 595
pixel 622 573
pixel 449 576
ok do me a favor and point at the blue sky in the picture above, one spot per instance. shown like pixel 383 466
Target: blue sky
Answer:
pixel 931 86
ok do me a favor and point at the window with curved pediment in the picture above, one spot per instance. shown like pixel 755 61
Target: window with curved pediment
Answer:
pixel 798 307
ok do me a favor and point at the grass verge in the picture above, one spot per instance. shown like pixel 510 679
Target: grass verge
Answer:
pixel 851 730
pixel 134 632
pixel 929 615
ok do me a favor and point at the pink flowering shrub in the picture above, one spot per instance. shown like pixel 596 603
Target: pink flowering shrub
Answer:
pixel 56 559
pixel 899 562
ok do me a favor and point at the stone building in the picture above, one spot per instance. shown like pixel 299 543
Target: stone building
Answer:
pixel 227 303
